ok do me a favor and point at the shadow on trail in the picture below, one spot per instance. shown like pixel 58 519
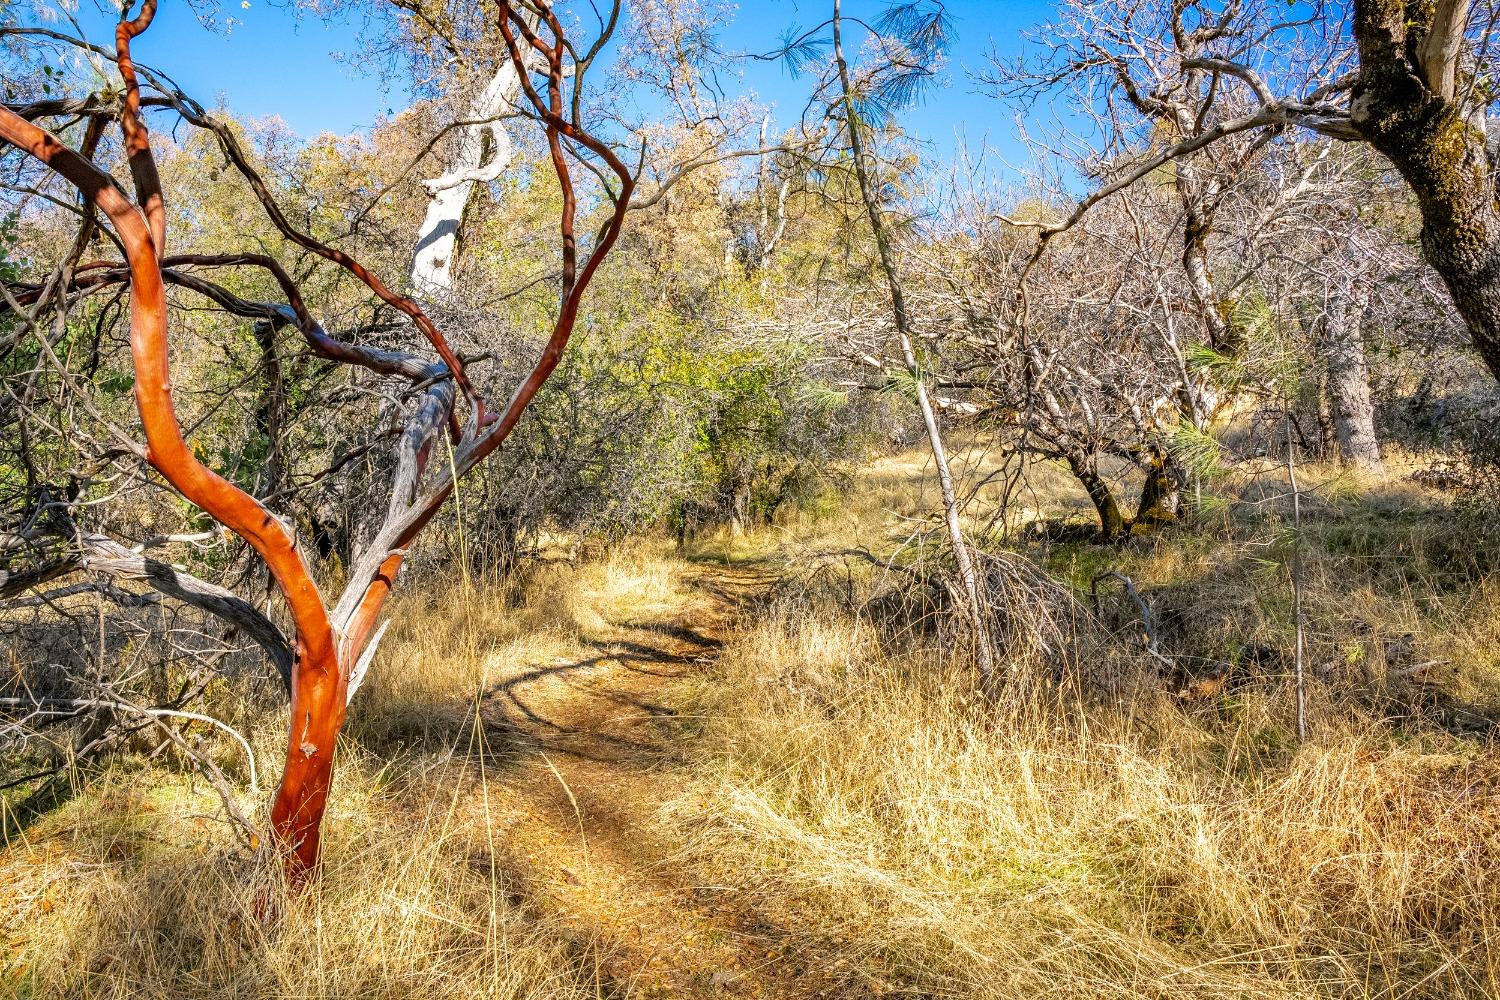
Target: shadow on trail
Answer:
pixel 679 632
pixel 587 749
pixel 605 705
pixel 735 593
pixel 601 708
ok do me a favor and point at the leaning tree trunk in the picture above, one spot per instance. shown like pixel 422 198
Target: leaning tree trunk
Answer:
pixel 983 650
pixel 1405 103
pixel 1349 381
pixel 484 151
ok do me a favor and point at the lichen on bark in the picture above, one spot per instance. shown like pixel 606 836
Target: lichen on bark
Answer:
pixel 1441 155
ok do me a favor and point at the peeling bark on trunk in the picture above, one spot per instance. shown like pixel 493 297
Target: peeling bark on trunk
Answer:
pixel 483 153
pixel 1349 381
pixel 1436 145
pixel 318 703
pixel 167 449
pixel 325 645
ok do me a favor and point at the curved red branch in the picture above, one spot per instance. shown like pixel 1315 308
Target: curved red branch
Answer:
pixel 318 682
pixel 362 617
pixel 323 345
pixel 137 138
pixel 402 303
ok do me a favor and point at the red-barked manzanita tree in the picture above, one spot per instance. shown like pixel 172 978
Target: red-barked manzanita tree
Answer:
pixel 448 427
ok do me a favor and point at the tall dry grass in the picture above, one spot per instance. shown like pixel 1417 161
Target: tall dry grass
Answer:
pixel 1108 841
pixel 1114 840
pixel 867 800
pixel 135 889
pixel 127 893
pixel 453 639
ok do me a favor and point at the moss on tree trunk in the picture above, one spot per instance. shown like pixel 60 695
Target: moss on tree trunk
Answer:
pixel 1111 521
pixel 1441 154
pixel 1159 495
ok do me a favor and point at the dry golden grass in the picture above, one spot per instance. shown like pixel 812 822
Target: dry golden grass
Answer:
pixel 1124 844
pixel 1144 848
pixel 133 889
pixel 451 640
pixel 127 893
pixel 867 800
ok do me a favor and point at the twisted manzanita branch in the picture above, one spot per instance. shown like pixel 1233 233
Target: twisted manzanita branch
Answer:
pixel 377 569
pixel 168 451
pixel 404 304
pixel 137 138
pixel 293 313
pixel 327 643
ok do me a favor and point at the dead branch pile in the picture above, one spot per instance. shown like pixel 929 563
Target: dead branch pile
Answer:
pixel 1039 629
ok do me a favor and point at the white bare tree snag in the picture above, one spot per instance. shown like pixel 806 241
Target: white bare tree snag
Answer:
pixel 482 153
pixel 1442 47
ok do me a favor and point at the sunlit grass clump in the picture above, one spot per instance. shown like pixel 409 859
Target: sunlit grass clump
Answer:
pixel 868 799
pixel 136 888
pixel 128 893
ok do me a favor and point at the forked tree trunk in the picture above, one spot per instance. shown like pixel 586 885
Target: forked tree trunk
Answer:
pixel 316 670
pixel 331 650
pixel 1349 381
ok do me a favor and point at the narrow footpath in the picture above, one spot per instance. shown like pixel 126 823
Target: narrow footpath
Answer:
pixel 597 741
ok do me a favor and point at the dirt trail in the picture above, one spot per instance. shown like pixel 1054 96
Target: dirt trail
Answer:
pixel 597 748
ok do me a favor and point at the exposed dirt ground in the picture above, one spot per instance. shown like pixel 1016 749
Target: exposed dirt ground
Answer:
pixel 597 739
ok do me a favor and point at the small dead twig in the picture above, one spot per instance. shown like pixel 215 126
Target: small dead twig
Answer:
pixel 1148 624
pixel 41 706
pixel 158 717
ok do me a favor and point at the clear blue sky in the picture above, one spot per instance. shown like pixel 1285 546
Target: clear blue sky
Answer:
pixel 273 62
pixel 269 62
pixel 953 112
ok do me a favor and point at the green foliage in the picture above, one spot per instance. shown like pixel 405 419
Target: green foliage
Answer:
pixel 902 382
pixel 1273 362
pixel 1196 452
pixel 682 422
pixel 10 224
pixel 1202 359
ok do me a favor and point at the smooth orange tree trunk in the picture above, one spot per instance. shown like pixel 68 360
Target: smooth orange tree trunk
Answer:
pixel 317 714
pixel 329 643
